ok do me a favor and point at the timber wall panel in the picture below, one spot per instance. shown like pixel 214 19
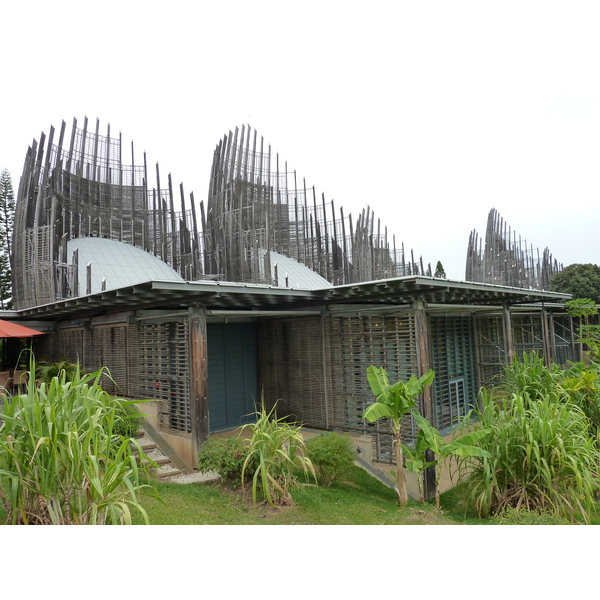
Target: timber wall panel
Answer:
pixel 355 343
pixel 291 369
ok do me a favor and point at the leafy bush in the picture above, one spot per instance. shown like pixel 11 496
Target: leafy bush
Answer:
pixel 46 371
pixel 524 516
pixel 128 421
pixel 60 460
pixel 332 454
pixel 541 458
pixel 581 384
pixel 226 456
pixel 276 449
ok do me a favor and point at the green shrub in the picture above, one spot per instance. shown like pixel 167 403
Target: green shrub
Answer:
pixel 46 371
pixel 226 457
pixel 542 458
pixel 524 516
pixel 332 454
pixel 581 384
pixel 60 460
pixel 128 421
pixel 274 453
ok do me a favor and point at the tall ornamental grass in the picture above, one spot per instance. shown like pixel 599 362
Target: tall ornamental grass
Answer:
pixel 275 452
pixel 61 461
pixel 541 458
pixel 529 376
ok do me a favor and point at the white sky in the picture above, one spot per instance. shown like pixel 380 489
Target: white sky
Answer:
pixel 430 112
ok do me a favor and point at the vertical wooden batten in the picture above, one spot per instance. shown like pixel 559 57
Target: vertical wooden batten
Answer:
pixel 424 364
pixel 199 378
pixel 509 347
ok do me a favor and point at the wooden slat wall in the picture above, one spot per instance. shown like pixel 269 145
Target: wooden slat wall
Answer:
pixel 164 371
pixel 454 363
pixel 145 361
pixel 355 343
pixel 291 370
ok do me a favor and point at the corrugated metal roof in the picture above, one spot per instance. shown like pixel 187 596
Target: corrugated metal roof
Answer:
pixel 121 264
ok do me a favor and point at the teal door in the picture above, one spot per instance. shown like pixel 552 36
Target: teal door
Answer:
pixel 232 374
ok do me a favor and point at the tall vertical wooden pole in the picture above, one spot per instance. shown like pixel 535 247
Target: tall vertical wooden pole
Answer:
pixel 424 364
pixel 198 395
pixel 509 348
pixel 548 347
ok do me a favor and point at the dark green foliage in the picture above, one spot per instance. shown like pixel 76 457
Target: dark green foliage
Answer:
pixel 225 456
pixel 439 271
pixel 332 454
pixel 45 371
pixel 580 280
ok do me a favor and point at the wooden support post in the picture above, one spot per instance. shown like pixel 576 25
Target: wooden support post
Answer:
pixel 508 337
pixel 198 395
pixel 548 347
pixel 424 364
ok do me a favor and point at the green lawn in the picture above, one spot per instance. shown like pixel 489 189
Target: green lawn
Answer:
pixel 357 500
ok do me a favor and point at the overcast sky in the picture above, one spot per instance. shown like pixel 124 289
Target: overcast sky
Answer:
pixel 432 113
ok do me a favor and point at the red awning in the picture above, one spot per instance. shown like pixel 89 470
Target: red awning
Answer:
pixel 12 330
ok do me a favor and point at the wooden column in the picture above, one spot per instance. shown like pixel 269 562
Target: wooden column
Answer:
pixel 509 348
pixel 198 397
pixel 424 364
pixel 548 346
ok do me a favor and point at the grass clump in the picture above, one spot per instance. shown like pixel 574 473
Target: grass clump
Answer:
pixel 275 452
pixel 61 460
pixel 541 458
pixel 332 454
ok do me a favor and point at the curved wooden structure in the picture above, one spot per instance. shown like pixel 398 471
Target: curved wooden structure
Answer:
pixel 504 258
pixel 256 205
pixel 87 189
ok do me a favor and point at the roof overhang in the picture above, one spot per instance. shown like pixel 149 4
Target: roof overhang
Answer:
pixel 215 295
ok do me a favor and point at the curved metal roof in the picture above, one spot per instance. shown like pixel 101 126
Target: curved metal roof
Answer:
pixel 121 264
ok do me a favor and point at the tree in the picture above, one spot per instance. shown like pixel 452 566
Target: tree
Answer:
pixel 580 280
pixel 430 438
pixel 393 402
pixel 7 215
pixel 439 270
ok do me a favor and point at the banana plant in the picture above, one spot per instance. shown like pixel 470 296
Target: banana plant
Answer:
pixel 429 437
pixel 393 402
